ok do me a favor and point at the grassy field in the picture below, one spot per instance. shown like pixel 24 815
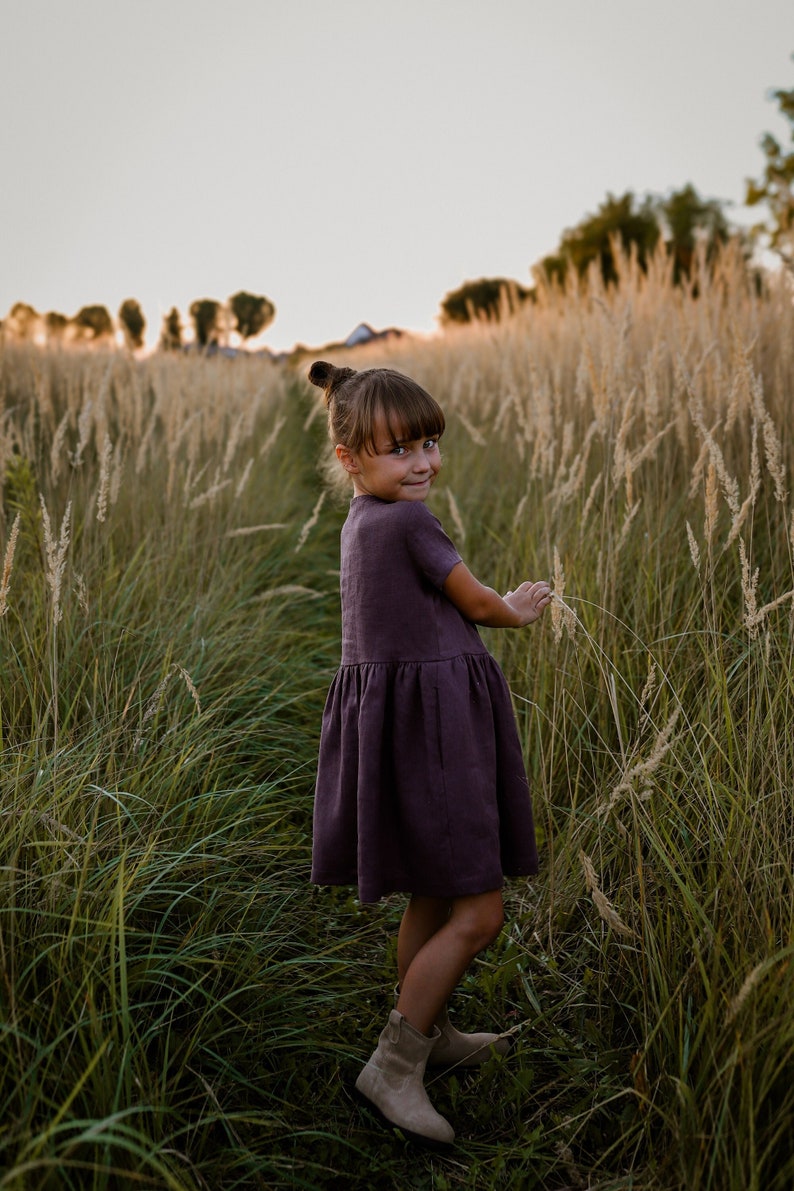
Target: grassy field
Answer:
pixel 179 1008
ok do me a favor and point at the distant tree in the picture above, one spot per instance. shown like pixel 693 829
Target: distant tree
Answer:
pixel 171 332
pixel 55 326
pixel 488 298
pixel 251 313
pixel 553 267
pixel 93 323
pixel 205 314
pixel 22 321
pixel 682 219
pixel 133 324
pixel 776 187
pixel 636 227
pixel 686 220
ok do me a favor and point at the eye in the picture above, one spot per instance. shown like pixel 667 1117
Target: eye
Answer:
pixel 431 443
pixel 398 450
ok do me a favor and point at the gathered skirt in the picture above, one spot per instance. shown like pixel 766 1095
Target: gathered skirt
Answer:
pixel 421 785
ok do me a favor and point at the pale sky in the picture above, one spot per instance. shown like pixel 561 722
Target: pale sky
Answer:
pixel 351 159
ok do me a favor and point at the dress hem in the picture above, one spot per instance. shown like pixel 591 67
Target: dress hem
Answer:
pixel 368 894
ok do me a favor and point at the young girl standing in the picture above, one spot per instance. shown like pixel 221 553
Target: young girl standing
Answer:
pixel 421 786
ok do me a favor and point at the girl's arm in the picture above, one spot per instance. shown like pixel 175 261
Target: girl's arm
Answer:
pixel 483 605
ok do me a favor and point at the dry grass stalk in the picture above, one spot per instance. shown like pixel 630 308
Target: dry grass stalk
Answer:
pixel 649 448
pixel 565 492
pixel 755 485
pixel 210 494
pixel 647 692
pixel 651 404
pixel 104 478
pixel 631 513
pixel 504 409
pixel 84 423
pixel 698 467
pixel 56 556
pixel 621 453
pixel 190 686
pixel 309 525
pixel 629 474
pixel 57 447
pixel 558 591
pixel 241 483
pixel 760 615
pixel 191 481
pixel 568 616
pixel 749 592
pixel 712 508
pixel 271 438
pixel 748 984
pixel 522 504
pixel 290 589
pixel 143 446
pixel 772 445
pixel 474 434
pixel 116 474
pixel 694 549
pixel 8 564
pixel 643 770
pixel 154 701
pixel 566 1158
pixel 151 708
pixel 732 412
pixel 605 908
pixel 566 448
pixel 588 504
pixel 521 408
pixel 313 414
pixel 245 530
pixel 457 520
pixel 728 483
pixel 81 592
pixel 232 442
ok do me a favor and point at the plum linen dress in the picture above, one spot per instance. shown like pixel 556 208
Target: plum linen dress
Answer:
pixel 421 786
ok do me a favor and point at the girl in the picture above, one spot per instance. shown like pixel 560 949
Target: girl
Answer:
pixel 421 785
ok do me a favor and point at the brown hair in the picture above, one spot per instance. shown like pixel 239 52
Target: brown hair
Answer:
pixel 355 399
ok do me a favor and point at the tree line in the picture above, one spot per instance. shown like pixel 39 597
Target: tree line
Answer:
pixel 683 222
pixel 212 321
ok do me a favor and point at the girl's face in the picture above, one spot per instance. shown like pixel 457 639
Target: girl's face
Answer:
pixel 400 469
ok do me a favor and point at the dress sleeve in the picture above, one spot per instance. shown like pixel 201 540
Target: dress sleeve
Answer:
pixel 428 545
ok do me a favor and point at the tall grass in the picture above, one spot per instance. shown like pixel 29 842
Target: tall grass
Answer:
pixel 179 1007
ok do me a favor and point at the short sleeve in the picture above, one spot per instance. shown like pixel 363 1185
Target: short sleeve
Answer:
pixel 429 547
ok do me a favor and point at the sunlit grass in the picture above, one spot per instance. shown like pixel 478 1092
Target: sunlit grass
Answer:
pixel 180 1008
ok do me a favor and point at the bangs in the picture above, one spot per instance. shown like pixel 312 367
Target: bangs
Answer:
pixel 407 409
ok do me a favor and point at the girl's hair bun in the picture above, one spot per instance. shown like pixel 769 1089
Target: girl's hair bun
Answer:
pixel 327 377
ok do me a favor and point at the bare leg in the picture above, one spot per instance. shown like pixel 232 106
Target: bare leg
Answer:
pixel 423 917
pixel 438 964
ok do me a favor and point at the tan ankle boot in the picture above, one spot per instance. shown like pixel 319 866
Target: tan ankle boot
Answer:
pixel 454 1049
pixel 392 1081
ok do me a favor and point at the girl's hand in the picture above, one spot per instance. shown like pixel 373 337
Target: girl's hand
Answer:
pixel 483 605
pixel 529 600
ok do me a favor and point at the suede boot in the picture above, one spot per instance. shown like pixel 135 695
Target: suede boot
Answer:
pixel 454 1049
pixel 392 1080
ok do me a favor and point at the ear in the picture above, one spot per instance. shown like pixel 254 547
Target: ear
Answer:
pixel 347 458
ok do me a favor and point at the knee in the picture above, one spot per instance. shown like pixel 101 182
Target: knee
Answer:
pixel 479 925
